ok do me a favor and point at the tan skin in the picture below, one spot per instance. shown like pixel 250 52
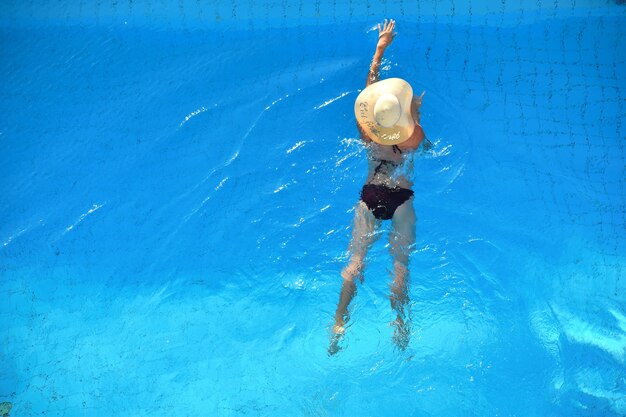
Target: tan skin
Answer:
pixel 402 235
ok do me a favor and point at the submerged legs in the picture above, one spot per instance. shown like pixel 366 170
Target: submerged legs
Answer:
pixel 401 240
pixel 363 235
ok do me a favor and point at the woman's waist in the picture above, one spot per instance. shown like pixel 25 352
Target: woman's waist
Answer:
pixel 391 182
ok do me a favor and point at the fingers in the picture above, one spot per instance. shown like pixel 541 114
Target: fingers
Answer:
pixel 388 26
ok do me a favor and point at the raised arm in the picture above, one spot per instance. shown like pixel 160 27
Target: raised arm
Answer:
pixel 385 37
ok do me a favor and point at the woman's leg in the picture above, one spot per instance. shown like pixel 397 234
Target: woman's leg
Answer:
pixel 402 240
pixel 363 235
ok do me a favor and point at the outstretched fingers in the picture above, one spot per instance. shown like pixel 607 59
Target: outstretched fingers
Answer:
pixel 380 30
pixel 388 26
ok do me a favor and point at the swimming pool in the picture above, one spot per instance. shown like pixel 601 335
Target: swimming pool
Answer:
pixel 177 188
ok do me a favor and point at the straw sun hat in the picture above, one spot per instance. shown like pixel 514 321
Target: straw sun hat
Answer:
pixel 383 110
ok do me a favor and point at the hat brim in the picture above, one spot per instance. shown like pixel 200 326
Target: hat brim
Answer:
pixel 364 111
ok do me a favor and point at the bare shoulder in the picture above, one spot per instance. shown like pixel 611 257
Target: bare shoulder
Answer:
pixel 413 142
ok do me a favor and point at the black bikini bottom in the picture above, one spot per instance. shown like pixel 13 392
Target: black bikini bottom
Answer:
pixel 382 200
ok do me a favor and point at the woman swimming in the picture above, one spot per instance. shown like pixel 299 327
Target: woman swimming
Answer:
pixel 387 116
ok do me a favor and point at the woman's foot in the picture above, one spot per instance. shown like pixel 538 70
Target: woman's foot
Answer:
pixel 401 333
pixel 337 333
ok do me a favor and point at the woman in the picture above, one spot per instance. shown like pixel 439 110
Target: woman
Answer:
pixel 388 120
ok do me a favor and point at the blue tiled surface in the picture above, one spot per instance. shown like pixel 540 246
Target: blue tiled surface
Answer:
pixel 176 188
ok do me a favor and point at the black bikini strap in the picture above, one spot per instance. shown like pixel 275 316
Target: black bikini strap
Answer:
pixel 380 164
pixel 382 161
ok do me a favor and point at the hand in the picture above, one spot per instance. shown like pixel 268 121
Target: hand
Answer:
pixel 385 34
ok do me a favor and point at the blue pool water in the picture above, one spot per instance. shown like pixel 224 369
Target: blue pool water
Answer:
pixel 177 186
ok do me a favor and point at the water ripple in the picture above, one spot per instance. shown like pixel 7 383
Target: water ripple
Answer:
pixel 327 102
pixel 82 217
pixel 193 114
